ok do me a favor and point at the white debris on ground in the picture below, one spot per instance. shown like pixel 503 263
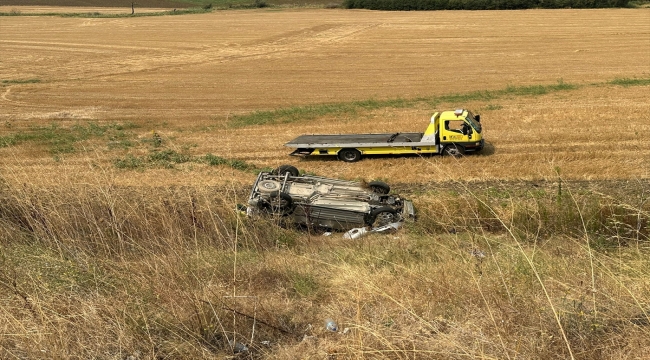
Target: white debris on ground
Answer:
pixel 359 232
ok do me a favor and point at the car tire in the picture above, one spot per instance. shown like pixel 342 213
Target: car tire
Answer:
pixel 281 203
pixel 268 186
pixel 382 216
pixel 350 155
pixel 379 187
pixel 283 169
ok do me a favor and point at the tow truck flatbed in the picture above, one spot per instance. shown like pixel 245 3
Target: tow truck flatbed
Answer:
pixel 354 140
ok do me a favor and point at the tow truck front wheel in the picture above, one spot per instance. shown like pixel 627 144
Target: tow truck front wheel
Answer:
pixel 350 155
pixel 454 150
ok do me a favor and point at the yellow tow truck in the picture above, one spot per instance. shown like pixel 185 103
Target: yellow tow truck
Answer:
pixel 455 133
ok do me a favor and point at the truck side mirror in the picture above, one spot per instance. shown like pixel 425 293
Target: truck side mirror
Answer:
pixel 477 118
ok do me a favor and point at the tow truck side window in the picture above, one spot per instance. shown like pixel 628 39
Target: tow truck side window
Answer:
pixel 454 125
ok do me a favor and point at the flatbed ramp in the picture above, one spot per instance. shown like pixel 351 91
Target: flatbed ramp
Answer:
pixel 344 140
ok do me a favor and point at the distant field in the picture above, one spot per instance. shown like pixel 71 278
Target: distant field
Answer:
pixel 126 143
pixel 67 5
pixel 98 3
pixel 189 77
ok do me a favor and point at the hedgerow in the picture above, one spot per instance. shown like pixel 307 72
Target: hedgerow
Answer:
pixel 407 5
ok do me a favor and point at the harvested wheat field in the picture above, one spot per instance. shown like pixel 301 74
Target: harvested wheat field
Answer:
pixel 188 76
pixel 125 144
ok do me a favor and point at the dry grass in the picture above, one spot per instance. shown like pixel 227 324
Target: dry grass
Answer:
pixel 493 271
pixel 105 261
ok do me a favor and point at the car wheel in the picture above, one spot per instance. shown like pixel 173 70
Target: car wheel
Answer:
pixel 281 203
pixel 283 169
pixel 454 150
pixel 383 216
pixel 350 155
pixel 268 186
pixel 379 187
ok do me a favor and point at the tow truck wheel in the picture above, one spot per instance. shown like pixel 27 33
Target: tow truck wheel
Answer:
pixel 379 187
pixel 383 216
pixel 283 169
pixel 454 150
pixel 350 155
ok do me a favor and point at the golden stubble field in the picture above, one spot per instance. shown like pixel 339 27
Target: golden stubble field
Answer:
pixel 186 76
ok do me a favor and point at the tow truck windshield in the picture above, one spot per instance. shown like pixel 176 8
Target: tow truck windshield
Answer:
pixel 475 124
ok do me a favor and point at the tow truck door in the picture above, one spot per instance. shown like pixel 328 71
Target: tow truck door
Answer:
pixel 452 131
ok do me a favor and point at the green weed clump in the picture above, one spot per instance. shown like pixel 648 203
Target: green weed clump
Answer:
pixel 303 113
pixel 165 158
pixel 626 82
pixel 233 163
pixel 129 162
pixel 62 140
pixel 311 112
pixel 168 158
pixel 20 81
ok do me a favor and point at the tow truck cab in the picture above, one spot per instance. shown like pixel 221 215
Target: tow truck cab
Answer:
pixel 457 130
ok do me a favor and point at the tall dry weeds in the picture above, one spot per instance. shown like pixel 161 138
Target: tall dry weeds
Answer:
pixel 490 270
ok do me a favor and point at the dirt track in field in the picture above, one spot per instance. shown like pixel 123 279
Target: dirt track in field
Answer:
pixel 182 75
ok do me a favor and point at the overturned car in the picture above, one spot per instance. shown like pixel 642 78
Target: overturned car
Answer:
pixel 325 203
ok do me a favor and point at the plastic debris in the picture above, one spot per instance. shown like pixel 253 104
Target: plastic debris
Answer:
pixel 478 253
pixel 238 347
pixel 331 325
pixel 389 227
pixel 359 232
pixel 355 233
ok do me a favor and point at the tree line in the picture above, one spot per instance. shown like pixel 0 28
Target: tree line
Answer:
pixel 407 5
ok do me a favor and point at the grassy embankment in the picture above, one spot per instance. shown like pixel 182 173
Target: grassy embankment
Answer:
pixel 489 269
